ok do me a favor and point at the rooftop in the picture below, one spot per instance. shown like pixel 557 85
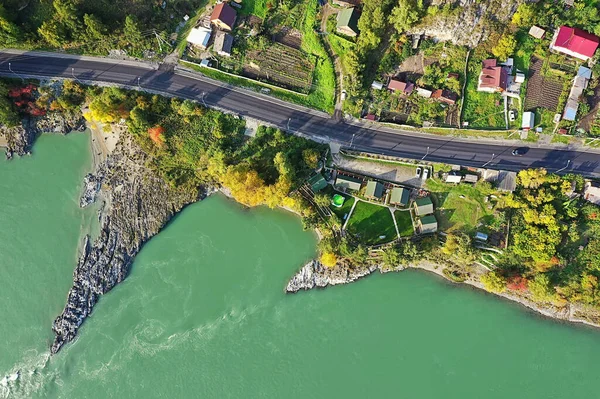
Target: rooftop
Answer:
pixel 397 85
pixel 577 41
pixel 224 13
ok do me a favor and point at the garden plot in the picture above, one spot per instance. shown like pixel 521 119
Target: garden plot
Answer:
pixel 281 65
pixel 542 90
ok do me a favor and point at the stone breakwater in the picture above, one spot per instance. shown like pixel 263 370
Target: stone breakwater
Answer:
pixel 19 139
pixel 138 205
pixel 315 275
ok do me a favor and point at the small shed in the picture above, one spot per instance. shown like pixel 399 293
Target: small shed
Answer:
pixel 400 196
pixel 424 92
pixel 471 178
pixel 404 87
pixel 349 183
pixel 374 190
pixel 453 178
pixel 199 37
pixel 528 120
pixel 537 32
pixel 423 206
pixel 377 85
pixel 317 182
pixel 347 22
pixel 481 236
pixel 428 224
pixel 520 77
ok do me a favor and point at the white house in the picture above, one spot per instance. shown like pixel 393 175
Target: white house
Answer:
pixel 199 37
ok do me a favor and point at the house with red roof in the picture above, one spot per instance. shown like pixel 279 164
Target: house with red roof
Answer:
pixel 493 77
pixel 575 42
pixel 404 87
pixel 445 96
pixel 223 16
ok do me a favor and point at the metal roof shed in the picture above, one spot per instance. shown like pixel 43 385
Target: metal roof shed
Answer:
pixel 528 120
pixel 374 189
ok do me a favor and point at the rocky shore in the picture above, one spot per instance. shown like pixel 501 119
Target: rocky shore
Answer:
pixel 19 139
pixel 315 275
pixel 138 204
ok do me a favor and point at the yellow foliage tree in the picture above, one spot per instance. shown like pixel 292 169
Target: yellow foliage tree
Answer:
pixel 328 259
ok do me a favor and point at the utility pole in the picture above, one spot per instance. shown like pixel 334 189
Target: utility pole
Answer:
pixel 19 76
pixel 138 82
pixel 427 153
pixel 352 141
pixel 74 77
pixel 288 124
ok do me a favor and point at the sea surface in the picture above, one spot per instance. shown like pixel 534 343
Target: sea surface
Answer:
pixel 203 313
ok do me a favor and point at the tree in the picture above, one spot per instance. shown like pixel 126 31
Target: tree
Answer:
pixel 9 32
pixel 328 259
pixel 459 246
pixel 311 157
pixel 52 32
pixel 131 32
pixel 156 133
pixel 94 28
pixel 525 15
pixel 390 257
pixel 540 288
pixel 493 282
pixel 406 14
pixel 532 178
pixel 66 14
pixel 322 200
pixel 505 47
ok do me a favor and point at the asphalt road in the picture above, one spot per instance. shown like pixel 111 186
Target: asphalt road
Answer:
pixel 298 119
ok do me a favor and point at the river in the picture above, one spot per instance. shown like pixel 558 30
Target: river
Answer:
pixel 203 313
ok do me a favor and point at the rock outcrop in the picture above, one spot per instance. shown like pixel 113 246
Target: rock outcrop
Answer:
pixel 469 23
pixel 19 139
pixel 315 275
pixel 138 205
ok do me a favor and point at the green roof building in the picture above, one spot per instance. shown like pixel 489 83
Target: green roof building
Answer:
pixel 317 182
pixel 423 206
pixel 400 196
pixel 428 224
pixel 374 190
pixel 348 183
pixel 347 22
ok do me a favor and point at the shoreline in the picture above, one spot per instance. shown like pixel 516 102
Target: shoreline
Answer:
pixel 315 276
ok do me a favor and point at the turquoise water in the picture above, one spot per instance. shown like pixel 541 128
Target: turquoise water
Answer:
pixel 203 313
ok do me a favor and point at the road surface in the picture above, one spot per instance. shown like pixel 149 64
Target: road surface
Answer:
pixel 297 119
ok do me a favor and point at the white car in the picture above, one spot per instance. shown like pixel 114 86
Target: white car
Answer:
pixel 344 95
pixel 425 173
pixel 511 115
pixel 418 173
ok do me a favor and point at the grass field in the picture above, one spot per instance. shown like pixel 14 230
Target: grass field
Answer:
pixel 405 227
pixel 456 213
pixel 323 93
pixel 254 7
pixel 368 222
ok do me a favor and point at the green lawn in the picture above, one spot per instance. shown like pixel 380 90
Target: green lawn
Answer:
pixel 456 213
pixel 254 7
pixel 404 222
pixel 323 93
pixel 368 222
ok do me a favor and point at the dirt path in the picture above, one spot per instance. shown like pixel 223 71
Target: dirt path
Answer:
pixel 326 12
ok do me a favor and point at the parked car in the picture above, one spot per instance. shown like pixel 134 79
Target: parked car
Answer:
pixel 344 95
pixel 511 115
pixel 425 173
pixel 419 171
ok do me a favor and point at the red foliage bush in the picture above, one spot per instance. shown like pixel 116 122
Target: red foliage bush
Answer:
pixel 156 134
pixel 517 283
